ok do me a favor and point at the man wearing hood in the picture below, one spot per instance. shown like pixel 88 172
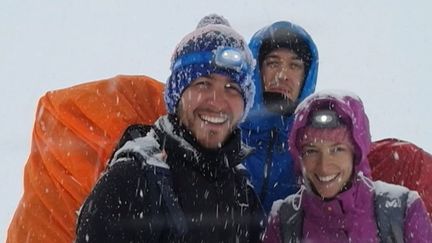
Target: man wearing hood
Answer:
pixel 285 73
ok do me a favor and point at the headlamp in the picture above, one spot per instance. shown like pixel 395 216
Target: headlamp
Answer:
pixel 226 57
pixel 325 119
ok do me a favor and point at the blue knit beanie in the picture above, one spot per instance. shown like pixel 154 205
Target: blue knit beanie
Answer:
pixel 194 57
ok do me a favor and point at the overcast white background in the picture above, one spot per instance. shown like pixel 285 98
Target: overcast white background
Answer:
pixel 380 50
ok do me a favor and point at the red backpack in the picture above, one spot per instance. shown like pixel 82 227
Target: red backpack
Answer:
pixel 403 163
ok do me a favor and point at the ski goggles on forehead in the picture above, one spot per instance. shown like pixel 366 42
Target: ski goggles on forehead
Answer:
pixel 227 58
pixel 325 119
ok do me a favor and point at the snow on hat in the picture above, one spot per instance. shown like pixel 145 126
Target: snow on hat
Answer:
pixel 285 38
pixel 198 55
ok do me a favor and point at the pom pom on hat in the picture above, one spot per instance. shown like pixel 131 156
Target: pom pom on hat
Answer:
pixel 213 19
pixel 212 34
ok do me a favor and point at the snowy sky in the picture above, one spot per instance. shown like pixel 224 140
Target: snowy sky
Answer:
pixel 380 50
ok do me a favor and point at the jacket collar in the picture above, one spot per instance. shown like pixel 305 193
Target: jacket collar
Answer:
pixel 182 149
pixel 350 202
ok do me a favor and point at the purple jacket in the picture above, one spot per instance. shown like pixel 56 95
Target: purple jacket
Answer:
pixel 350 216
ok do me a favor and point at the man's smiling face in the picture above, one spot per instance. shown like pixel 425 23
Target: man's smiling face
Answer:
pixel 211 107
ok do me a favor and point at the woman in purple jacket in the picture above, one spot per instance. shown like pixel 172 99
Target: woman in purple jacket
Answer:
pixel 338 201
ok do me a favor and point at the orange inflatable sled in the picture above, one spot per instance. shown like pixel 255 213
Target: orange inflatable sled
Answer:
pixel 74 134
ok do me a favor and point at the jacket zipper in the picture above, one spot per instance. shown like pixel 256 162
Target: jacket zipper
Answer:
pixel 268 164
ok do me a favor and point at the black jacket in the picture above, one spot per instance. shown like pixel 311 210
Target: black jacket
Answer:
pixel 164 187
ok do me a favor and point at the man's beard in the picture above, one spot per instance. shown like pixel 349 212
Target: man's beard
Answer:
pixel 279 103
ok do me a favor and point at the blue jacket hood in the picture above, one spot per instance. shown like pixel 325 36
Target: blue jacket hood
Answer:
pixel 259 117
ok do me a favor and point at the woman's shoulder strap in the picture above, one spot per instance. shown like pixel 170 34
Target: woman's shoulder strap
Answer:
pixel 390 205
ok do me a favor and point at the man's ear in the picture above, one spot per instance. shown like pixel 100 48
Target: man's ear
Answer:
pixel 179 108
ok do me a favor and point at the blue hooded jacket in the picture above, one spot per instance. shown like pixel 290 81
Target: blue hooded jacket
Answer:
pixel 271 166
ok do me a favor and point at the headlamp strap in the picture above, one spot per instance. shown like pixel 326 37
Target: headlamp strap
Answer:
pixel 229 58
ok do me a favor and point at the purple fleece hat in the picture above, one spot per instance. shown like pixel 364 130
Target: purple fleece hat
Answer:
pixel 347 105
